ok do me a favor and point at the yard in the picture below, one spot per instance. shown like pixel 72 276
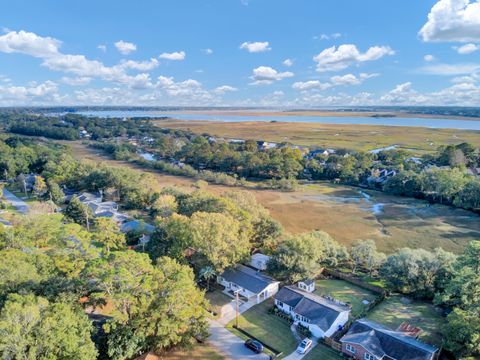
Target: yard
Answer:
pixel 397 309
pixel 217 300
pixel 323 352
pixel 269 329
pixel 346 292
pixel 198 352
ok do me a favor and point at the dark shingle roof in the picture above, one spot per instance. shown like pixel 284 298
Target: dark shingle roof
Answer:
pixel 320 311
pixel 381 341
pixel 248 278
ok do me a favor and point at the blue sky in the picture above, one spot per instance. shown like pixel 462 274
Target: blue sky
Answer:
pixel 302 53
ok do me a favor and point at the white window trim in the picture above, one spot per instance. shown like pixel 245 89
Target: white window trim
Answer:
pixel 368 356
pixel 350 348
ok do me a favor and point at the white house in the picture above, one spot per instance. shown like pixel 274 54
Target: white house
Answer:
pixel 259 261
pixel 321 316
pixel 307 285
pixel 249 283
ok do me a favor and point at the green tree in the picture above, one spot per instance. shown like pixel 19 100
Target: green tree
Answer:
pixel 79 212
pixel 33 328
pixel 364 253
pixel 108 234
pixel 219 239
pixel 55 193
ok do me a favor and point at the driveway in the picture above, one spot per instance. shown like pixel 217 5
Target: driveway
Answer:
pixel 231 345
pixel 20 205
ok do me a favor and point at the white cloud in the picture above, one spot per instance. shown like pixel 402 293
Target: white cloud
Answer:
pixel 207 51
pixel 467 49
pixel 449 69
pixel 48 50
pixel 311 85
pixel 224 89
pixel 328 36
pixel 125 48
pixel 335 59
pixel 256 47
pixel 264 75
pixel 429 58
pixel 288 62
pixel 139 65
pixel 403 94
pixel 29 43
pixel 37 94
pixel 102 47
pixel 453 20
pixel 174 56
pixel 77 81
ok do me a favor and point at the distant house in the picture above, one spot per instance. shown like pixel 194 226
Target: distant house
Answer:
pixel 259 261
pixel 101 208
pixel 137 225
pixel 264 145
pixel 307 285
pixel 379 176
pixel 323 317
pixel 371 341
pixel 249 283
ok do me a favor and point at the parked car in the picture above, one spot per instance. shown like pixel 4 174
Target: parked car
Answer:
pixel 254 345
pixel 304 346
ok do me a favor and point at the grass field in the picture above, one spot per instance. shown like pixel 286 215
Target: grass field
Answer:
pixel 198 352
pixel 323 352
pixel 346 292
pixel 356 137
pixel 397 309
pixel 217 299
pixel 269 329
pixel 343 212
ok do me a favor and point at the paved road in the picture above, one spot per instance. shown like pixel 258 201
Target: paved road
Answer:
pixel 20 205
pixel 296 356
pixel 231 345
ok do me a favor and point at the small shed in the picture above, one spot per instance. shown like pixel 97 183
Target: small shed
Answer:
pixel 259 261
pixel 307 285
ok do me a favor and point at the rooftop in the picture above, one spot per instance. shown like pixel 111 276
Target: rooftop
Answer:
pixel 248 278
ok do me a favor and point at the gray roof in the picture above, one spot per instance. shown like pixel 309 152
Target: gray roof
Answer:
pixel 307 281
pixel 382 341
pixel 136 225
pixel 320 311
pixel 248 278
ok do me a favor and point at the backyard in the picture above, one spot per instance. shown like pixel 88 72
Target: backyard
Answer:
pixel 269 329
pixel 397 309
pixel 217 300
pixel 345 292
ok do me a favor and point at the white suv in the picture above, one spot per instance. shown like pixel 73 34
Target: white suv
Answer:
pixel 304 346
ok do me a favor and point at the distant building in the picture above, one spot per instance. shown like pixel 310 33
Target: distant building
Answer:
pixel 307 285
pixel 369 340
pixel 259 261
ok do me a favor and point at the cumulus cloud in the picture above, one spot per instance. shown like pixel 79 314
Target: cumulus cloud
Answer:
pixel 139 65
pixel 207 51
pixel 335 59
pixel 256 47
pixel 288 62
pixel 328 36
pixel 125 48
pixel 37 94
pixel 174 56
pixel 102 47
pixel 453 20
pixel 264 75
pixel 29 43
pixel 77 81
pixel 467 49
pixel 449 69
pixel 224 89
pixel 429 58
pixel 339 80
pixel 48 49
pixel 311 85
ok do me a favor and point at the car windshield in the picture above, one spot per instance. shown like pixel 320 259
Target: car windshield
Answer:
pixel 303 344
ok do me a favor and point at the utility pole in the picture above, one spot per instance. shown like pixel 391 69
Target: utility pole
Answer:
pixel 236 307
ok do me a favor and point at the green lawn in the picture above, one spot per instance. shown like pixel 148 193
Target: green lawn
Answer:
pixel 217 299
pixel 397 309
pixel 268 328
pixel 323 352
pixel 346 292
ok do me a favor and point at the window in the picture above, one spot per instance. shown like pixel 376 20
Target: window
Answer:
pixel 279 303
pixel 351 349
pixel 369 357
